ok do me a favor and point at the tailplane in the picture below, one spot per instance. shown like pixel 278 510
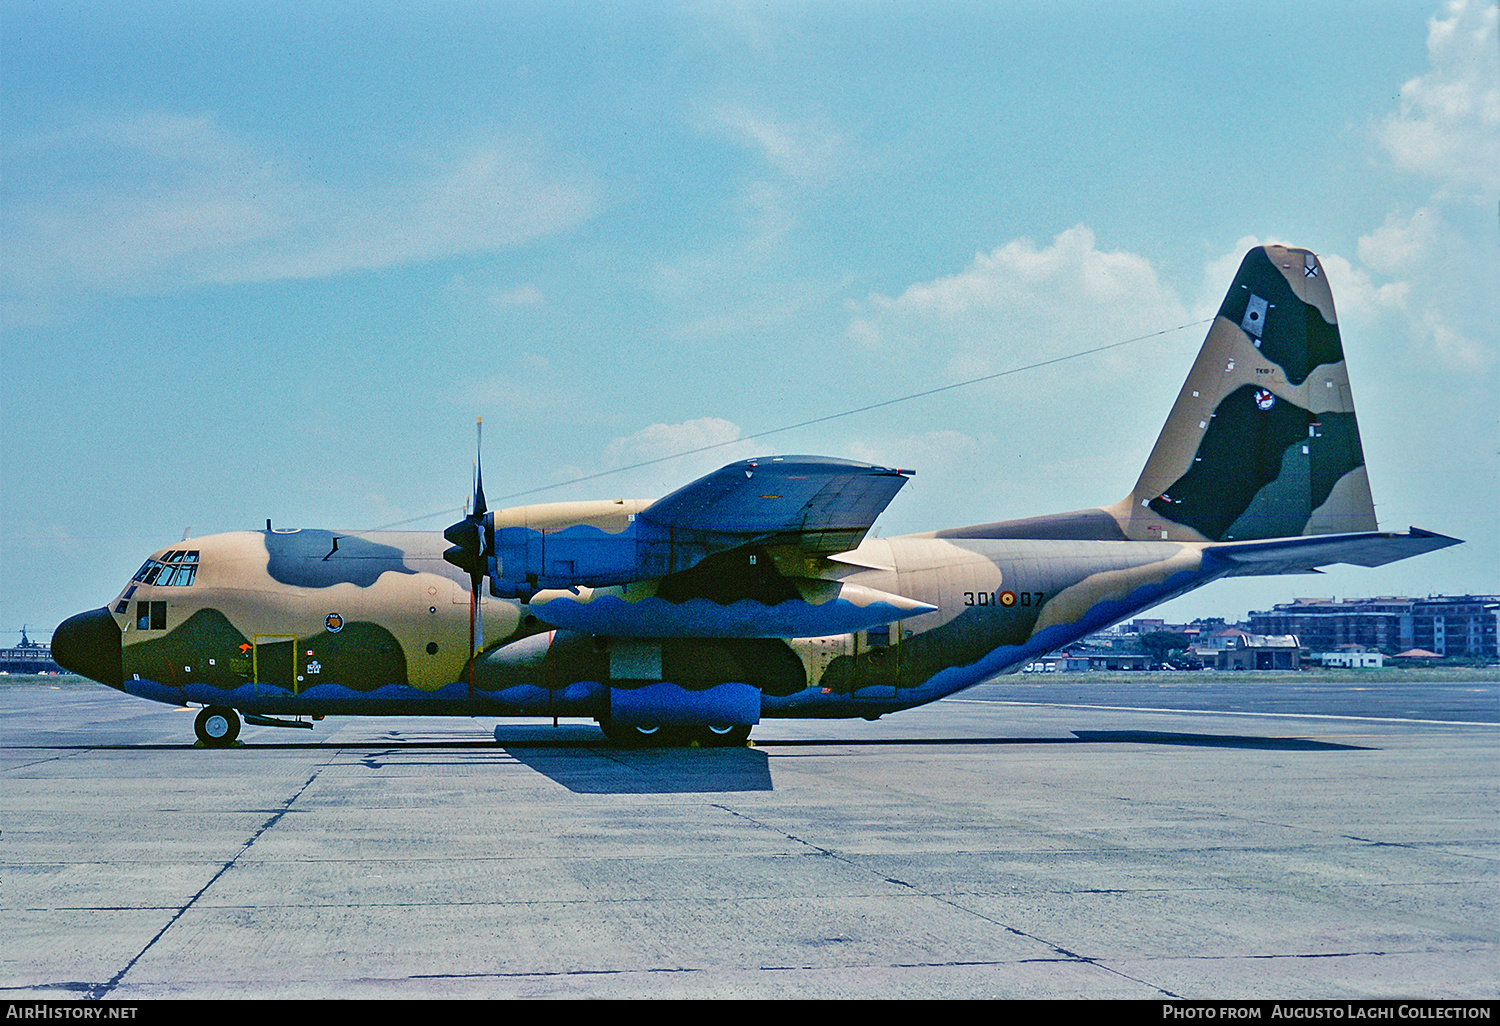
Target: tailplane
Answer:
pixel 1261 453
pixel 1262 441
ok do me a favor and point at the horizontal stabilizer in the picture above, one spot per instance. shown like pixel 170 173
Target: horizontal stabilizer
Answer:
pixel 1301 554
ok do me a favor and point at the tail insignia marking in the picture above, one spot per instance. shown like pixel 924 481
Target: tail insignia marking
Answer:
pixel 1302 339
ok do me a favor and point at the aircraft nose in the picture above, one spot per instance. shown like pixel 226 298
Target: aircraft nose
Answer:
pixel 89 644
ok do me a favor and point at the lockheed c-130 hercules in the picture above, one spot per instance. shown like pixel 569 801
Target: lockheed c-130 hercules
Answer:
pixel 756 591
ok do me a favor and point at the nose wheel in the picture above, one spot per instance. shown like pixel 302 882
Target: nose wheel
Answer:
pixel 217 726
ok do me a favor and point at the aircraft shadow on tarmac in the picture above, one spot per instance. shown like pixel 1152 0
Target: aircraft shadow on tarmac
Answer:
pixel 652 770
pixel 579 759
pixel 679 770
pixel 1166 737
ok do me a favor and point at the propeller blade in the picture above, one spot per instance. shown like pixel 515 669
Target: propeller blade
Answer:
pixel 470 551
pixel 478 623
pixel 479 507
pixel 481 564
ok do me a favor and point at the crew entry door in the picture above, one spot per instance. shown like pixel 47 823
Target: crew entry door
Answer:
pixel 275 663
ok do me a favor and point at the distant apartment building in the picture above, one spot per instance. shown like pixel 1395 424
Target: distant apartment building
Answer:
pixel 1461 626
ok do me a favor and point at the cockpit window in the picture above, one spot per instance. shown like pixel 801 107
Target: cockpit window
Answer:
pixel 175 569
pixel 150 616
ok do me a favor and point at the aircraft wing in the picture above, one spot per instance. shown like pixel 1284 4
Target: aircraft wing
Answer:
pixel 1308 552
pixel 820 504
pixel 817 504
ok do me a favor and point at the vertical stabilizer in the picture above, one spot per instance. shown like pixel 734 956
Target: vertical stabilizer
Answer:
pixel 1262 441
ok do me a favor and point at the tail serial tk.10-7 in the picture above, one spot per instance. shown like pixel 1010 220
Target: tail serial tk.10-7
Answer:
pixel 755 592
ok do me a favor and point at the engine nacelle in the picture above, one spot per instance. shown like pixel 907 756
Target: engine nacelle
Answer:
pixel 578 555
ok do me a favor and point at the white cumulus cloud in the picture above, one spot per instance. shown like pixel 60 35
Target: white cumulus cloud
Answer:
pixel 1438 260
pixel 702 445
pixel 1448 122
pixel 1022 303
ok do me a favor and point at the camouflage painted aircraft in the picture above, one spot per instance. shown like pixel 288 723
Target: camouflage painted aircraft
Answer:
pixel 756 591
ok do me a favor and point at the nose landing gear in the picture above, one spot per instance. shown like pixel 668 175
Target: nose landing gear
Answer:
pixel 217 726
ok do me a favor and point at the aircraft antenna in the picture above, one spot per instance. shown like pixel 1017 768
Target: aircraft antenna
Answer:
pixel 820 420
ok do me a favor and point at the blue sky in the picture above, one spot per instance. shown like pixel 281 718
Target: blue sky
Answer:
pixel 271 260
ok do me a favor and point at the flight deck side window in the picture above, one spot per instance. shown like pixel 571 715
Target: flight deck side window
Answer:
pixel 150 616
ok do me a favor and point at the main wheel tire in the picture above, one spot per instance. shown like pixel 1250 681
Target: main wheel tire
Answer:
pixel 217 726
pixel 641 736
pixel 712 735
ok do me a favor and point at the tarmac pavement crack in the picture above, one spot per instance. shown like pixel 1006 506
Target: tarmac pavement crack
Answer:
pixel 1064 954
pixel 39 762
pixel 99 991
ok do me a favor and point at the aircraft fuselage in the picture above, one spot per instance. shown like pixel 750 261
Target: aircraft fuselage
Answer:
pixel 284 623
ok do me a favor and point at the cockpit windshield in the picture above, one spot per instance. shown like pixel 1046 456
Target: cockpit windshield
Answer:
pixel 175 569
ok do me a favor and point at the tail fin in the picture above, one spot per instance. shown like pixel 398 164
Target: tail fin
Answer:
pixel 1262 442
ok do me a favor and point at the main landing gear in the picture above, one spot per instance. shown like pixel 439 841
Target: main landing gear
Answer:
pixel 707 736
pixel 728 736
pixel 217 726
